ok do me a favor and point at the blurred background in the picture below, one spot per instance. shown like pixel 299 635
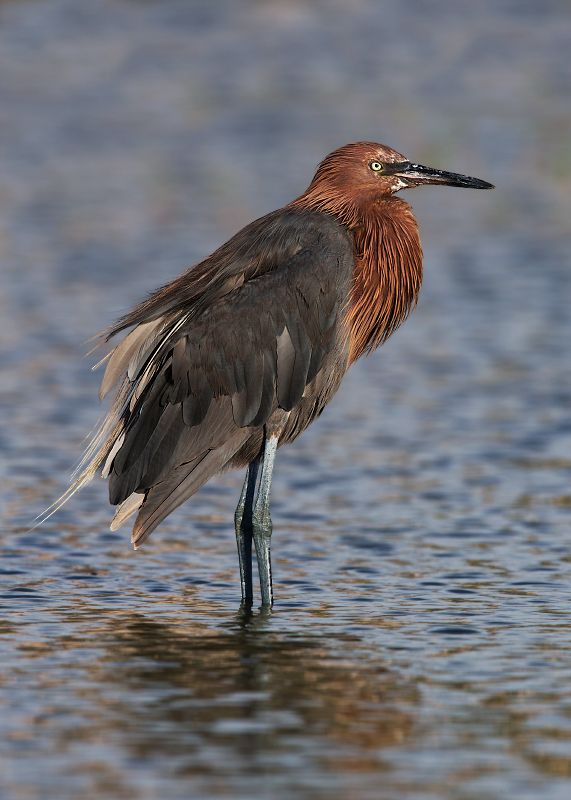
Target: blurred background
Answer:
pixel 420 645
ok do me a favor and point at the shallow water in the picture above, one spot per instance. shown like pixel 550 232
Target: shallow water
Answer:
pixel 420 645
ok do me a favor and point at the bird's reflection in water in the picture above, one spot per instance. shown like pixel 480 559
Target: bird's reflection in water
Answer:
pixel 246 697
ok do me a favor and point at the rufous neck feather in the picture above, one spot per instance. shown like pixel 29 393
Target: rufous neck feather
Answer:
pixel 388 263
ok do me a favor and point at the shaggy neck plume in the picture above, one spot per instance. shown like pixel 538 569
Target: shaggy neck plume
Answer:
pixel 388 261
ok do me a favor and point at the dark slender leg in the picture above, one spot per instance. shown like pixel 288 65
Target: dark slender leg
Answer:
pixel 243 523
pixel 262 523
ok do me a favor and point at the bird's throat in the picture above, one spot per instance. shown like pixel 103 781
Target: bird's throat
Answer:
pixel 387 276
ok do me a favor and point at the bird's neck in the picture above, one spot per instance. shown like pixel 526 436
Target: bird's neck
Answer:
pixel 388 267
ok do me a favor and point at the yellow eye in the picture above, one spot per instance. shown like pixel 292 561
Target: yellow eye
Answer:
pixel 376 166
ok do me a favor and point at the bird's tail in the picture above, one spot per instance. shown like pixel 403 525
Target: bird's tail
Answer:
pixel 181 484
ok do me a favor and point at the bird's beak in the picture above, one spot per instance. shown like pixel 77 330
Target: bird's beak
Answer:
pixel 417 175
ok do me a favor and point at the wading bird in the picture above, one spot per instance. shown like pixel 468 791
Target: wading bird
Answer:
pixel 239 354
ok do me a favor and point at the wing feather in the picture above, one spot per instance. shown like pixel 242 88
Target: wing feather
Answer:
pixel 205 378
pixel 129 354
pixel 181 484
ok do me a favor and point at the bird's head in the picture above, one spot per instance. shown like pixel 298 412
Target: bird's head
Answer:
pixel 365 172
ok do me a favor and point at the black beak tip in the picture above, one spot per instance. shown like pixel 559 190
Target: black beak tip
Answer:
pixel 418 175
pixel 466 182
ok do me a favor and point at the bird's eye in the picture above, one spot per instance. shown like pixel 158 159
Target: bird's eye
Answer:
pixel 376 166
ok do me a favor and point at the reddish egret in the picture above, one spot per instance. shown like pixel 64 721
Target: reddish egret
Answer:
pixel 238 355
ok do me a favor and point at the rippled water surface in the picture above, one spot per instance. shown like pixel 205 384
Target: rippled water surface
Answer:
pixel 420 645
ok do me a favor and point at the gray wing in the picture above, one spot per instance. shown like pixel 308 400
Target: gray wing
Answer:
pixel 201 386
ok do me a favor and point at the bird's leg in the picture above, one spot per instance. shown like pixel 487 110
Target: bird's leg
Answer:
pixel 262 523
pixel 243 523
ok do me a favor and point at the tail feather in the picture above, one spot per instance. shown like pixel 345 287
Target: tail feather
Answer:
pixel 181 484
pixel 126 509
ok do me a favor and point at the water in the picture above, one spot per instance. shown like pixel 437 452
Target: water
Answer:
pixel 419 647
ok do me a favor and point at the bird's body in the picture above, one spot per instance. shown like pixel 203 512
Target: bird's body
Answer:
pixel 243 351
